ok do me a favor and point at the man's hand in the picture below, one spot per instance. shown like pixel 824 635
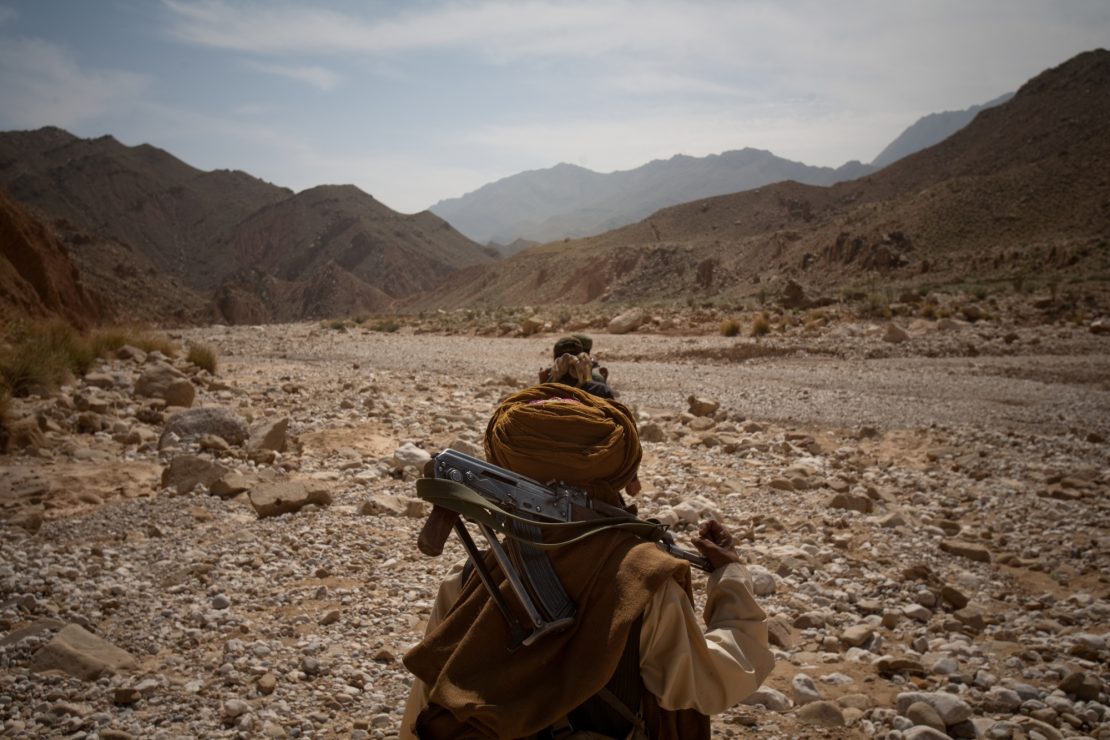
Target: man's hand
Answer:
pixel 716 544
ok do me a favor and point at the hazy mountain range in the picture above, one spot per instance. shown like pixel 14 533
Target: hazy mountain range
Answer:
pixel 103 230
pixel 223 244
pixel 1019 193
pixel 570 201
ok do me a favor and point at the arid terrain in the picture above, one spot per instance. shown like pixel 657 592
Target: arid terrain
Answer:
pixel 926 518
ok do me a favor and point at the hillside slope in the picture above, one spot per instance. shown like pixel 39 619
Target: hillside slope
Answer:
pixel 931 129
pixel 140 211
pixel 37 277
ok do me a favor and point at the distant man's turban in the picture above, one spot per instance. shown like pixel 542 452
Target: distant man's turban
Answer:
pixel 557 432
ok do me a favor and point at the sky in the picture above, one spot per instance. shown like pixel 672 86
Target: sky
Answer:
pixel 421 100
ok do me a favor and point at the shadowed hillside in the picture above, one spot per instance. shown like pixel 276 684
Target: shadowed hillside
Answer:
pixel 248 246
pixel 37 277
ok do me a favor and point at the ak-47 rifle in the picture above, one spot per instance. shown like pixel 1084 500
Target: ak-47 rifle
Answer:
pixel 534 518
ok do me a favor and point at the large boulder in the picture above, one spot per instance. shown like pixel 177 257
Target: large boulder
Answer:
pixel 162 380
pixel 628 321
pixel 193 424
pixel 82 654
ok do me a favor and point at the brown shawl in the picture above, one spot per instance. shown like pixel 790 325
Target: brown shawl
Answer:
pixel 481 689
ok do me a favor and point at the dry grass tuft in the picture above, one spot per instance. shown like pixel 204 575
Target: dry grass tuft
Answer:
pixel 761 326
pixel 203 356
pixel 730 328
pixel 45 354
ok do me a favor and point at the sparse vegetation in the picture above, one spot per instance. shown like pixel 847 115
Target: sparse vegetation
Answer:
pixel 761 325
pixel 44 354
pixel 387 325
pixel 730 328
pixel 876 305
pixel 203 356
pixel 337 325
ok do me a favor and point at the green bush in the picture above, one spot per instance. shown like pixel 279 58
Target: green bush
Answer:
pixel 730 328
pixel 203 356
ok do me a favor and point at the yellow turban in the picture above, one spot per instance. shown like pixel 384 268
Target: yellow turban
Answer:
pixel 557 432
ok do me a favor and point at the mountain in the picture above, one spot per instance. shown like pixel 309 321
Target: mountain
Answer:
pixel 134 210
pixel 571 201
pixel 1023 190
pixel 931 129
pixel 37 277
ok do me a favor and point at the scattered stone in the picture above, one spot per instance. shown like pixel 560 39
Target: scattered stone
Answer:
pixel 702 406
pixel 269 435
pixel 626 322
pixel 857 635
pixel 772 699
pixel 805 690
pixel 895 334
pixel 921 713
pixel 164 381
pixel 966 550
pixel 779 632
pixel 852 502
pixel 193 424
pixel 409 454
pixel 286 497
pixel 185 471
pixel 229 485
pixel 822 713
pixel 81 654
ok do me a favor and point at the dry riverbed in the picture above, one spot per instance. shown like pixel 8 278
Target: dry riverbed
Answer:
pixel 927 523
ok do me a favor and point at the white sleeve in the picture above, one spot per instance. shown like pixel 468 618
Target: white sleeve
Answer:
pixel 711 671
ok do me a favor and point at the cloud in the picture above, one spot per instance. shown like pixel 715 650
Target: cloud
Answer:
pixel 319 77
pixel 8 13
pixel 42 84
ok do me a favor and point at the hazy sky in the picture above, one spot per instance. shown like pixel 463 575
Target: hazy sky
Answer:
pixel 418 101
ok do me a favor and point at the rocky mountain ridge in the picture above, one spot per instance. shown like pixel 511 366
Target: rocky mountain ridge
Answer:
pixel 209 235
pixel 1020 193
pixel 571 201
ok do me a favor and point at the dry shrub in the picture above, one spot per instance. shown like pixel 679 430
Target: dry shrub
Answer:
pixel 730 328
pixel 46 353
pixel 761 325
pixel 203 356
pixel 40 354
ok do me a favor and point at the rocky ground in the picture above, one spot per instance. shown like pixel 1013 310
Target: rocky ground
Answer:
pixel 926 519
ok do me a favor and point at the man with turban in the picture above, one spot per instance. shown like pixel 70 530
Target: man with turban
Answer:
pixel 635 659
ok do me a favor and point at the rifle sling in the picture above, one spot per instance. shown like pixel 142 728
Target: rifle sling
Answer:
pixel 472 505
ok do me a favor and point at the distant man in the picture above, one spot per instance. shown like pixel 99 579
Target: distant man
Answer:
pixel 573 365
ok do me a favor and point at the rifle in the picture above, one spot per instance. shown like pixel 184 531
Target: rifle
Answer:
pixel 534 518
